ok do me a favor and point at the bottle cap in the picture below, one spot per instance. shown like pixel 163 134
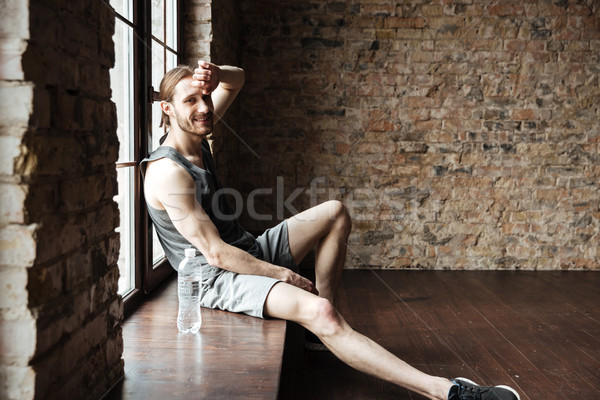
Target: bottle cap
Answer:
pixel 190 253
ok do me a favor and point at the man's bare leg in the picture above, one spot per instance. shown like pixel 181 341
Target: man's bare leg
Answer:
pixel 326 226
pixel 319 316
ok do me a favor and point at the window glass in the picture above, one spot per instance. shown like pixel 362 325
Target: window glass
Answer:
pixel 157 250
pixel 122 95
pixel 158 71
pixel 171 24
pixel 158 63
pixel 171 60
pixel 158 19
pixel 126 230
pixel 122 89
pixel 157 132
pixel 123 8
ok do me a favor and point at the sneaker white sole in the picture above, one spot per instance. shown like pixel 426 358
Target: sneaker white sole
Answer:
pixel 499 386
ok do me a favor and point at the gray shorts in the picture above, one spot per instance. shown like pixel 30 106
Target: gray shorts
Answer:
pixel 226 290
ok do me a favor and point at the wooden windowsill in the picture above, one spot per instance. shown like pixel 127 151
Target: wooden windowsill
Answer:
pixel 233 357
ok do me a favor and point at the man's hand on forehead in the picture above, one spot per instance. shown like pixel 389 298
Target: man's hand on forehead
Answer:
pixel 206 76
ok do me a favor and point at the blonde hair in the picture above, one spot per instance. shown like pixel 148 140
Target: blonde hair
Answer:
pixel 167 87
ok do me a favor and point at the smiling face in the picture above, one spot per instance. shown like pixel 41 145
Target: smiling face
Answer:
pixel 190 110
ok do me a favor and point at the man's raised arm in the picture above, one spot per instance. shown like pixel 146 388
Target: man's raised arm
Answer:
pixel 222 82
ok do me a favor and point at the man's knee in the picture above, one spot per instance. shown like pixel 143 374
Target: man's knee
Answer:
pixel 326 321
pixel 341 216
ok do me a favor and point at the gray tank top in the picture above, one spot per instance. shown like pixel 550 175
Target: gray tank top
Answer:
pixel 210 195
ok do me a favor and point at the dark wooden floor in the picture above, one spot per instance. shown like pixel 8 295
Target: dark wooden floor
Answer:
pixel 536 331
pixel 233 357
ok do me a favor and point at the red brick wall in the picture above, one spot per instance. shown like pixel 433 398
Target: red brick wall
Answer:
pixel 460 135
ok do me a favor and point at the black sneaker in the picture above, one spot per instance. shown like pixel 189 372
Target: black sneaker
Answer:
pixel 465 389
pixel 313 343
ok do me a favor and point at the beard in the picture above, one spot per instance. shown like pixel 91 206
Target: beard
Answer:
pixel 190 126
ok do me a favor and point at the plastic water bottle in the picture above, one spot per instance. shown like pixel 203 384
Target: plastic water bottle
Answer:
pixel 189 290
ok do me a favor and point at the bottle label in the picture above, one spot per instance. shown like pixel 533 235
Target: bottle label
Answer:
pixel 189 288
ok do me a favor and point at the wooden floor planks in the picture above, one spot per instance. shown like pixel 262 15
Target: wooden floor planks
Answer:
pixel 536 331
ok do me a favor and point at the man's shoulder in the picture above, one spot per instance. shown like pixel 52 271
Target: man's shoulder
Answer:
pixel 164 177
pixel 165 171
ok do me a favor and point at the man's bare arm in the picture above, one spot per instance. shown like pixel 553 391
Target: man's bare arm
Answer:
pixel 179 200
pixel 222 82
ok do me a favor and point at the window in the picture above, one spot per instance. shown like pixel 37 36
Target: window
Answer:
pixel 146 46
pixel 164 57
pixel 122 84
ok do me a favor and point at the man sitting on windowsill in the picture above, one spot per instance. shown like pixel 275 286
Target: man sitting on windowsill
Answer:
pixel 258 276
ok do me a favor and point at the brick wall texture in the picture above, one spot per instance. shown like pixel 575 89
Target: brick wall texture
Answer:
pixel 461 134
pixel 212 33
pixel 60 316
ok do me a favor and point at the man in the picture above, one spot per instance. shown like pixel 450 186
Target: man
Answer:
pixel 258 276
